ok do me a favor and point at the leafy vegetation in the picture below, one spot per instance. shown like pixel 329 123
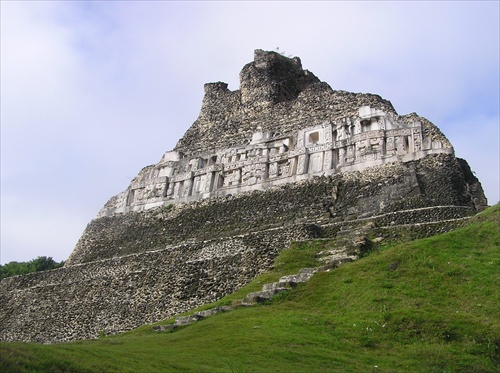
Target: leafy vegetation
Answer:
pixel 425 306
pixel 42 263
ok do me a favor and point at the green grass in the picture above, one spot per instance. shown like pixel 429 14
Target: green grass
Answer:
pixel 437 311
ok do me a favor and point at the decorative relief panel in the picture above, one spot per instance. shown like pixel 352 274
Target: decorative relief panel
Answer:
pixel 187 188
pixel 325 147
pixel 301 164
pixel 342 156
pixel 357 126
pixel 253 173
pixel 362 147
pixel 376 144
pixel 417 139
pixel 215 167
pixel 177 189
pixel 319 148
pixel 169 192
pixel 232 178
pixel 279 157
pixel 390 146
pixel 183 176
pixel 327 161
pixel 369 156
pixel 400 145
pixel 197 184
pixel 350 154
pixel 209 180
pixel 284 169
pixel 328 133
pixel 273 169
pixel 316 162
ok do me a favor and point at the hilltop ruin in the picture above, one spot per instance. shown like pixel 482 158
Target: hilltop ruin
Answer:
pixel 282 159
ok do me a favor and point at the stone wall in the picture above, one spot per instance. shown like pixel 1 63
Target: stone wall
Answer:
pixel 474 185
pixel 117 294
pixel 436 180
pixel 415 223
pixel 123 234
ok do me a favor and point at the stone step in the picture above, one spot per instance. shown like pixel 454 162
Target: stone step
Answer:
pixel 286 285
pixel 212 311
pixel 335 261
pixel 261 296
pixel 190 319
pixel 347 234
pixel 304 275
pixel 342 241
pixel 186 320
pixel 165 328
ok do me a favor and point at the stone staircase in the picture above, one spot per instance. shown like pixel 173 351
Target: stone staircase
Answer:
pixel 348 245
pixel 285 283
pixel 350 242
pixel 190 319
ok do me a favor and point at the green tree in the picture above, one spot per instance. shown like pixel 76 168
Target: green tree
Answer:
pixel 42 263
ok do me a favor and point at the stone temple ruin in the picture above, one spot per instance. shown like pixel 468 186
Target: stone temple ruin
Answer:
pixel 284 158
pixel 320 144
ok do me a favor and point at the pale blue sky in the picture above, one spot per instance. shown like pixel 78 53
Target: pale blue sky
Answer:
pixel 93 91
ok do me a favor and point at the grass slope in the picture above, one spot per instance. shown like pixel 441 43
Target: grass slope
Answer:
pixel 430 305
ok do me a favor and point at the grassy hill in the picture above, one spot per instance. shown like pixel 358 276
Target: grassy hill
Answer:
pixel 430 305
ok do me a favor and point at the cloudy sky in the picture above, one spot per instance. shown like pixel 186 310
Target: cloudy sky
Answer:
pixel 93 91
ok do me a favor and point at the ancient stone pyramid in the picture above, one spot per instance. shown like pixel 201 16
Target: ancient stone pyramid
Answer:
pixel 284 158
